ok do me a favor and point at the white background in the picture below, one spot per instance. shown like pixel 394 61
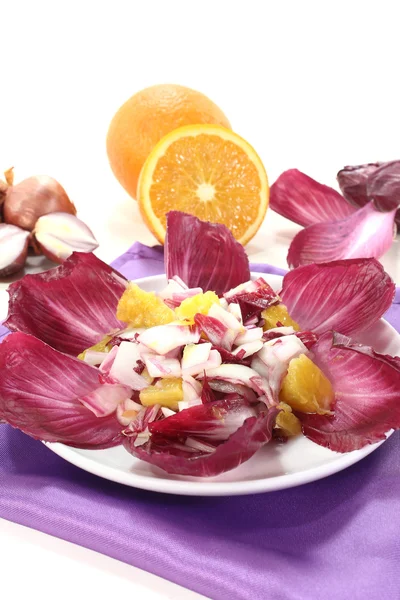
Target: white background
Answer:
pixel 312 85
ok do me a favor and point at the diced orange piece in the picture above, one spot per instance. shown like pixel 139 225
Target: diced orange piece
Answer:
pixel 166 392
pixel 201 303
pixel 305 388
pixel 143 309
pixel 101 346
pixel 288 424
pixel 275 313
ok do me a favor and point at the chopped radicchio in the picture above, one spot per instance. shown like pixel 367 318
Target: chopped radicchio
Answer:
pixel 253 297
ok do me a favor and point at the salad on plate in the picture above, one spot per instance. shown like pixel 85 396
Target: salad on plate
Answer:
pixel 197 378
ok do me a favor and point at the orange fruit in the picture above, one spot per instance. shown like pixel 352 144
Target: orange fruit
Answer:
pixel 200 303
pixel 288 424
pixel 207 171
pixel 143 309
pixel 147 117
pixel 275 313
pixel 305 388
pixel 166 392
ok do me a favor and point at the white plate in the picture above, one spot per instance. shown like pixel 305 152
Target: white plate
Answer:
pixel 275 467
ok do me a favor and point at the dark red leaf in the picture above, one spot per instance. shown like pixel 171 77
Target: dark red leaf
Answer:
pixel 367 395
pixel 346 295
pixel 70 307
pixel 303 200
pixel 204 254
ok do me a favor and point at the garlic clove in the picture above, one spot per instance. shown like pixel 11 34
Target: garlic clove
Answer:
pixel 13 249
pixel 32 198
pixel 60 234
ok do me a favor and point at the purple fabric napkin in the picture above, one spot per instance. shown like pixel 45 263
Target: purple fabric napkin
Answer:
pixel 337 538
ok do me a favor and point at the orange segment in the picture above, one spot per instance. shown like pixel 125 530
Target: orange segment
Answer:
pixel 166 392
pixel 288 424
pixel 143 309
pixel 305 388
pixel 207 171
pixel 101 346
pixel 275 313
pixel 201 303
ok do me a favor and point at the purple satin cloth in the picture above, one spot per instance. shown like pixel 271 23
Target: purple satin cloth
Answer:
pixel 337 538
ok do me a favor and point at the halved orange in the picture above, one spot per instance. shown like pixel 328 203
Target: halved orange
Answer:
pixel 207 171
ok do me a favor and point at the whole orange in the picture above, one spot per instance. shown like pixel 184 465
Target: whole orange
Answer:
pixel 146 118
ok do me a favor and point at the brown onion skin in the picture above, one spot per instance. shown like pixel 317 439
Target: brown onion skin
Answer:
pixel 32 198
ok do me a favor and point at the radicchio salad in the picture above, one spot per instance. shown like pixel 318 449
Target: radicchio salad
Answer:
pixel 197 378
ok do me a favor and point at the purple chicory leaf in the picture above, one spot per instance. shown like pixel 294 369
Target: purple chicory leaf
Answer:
pixel 366 233
pixel 53 397
pixel 211 421
pixel 203 254
pixel 379 182
pixel 187 460
pixel 353 180
pixel 70 307
pixel 303 200
pixel 383 186
pixel 348 296
pixel 309 338
pixel 367 395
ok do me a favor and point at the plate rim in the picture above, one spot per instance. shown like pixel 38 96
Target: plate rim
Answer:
pixel 206 487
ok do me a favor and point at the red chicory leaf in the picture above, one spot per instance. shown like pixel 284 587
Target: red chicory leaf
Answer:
pixel 238 448
pixel 366 233
pixel 348 296
pixel 53 397
pixel 378 182
pixel 70 307
pixel 203 254
pixel 228 357
pixel 309 338
pixel 217 332
pixel 383 186
pixel 367 395
pixel 303 200
pixel 353 180
pixel 212 421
